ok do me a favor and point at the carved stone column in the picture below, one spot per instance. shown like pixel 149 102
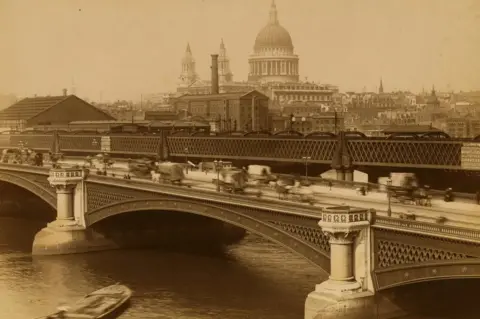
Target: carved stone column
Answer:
pixel 67 234
pixel 341 295
pixel 342 224
pixel 65 209
pixel 65 181
pixel 341 257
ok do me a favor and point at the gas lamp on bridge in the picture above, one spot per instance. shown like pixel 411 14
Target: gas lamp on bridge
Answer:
pixel 305 160
pixel 186 160
pixel 389 196
pixel 218 168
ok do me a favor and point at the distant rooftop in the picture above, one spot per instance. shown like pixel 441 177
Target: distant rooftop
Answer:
pixel 29 107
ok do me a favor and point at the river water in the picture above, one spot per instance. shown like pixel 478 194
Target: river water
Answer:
pixel 254 279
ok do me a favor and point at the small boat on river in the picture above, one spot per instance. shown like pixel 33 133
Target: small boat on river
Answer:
pixel 106 303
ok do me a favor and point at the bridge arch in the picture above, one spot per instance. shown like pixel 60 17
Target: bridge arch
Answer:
pixel 261 228
pixel 439 134
pixel 261 132
pixel 355 134
pixel 48 196
pixel 288 133
pixel 321 134
pixel 434 271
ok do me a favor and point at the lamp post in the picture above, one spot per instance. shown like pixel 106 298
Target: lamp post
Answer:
pixel 186 159
pixel 292 120
pixel 106 160
pixel 306 159
pixel 303 123
pixel 389 184
pixel 218 167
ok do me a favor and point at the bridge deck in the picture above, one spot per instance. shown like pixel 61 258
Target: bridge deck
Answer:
pixel 458 213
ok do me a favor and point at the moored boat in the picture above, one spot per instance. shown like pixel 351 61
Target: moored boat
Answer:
pixel 106 303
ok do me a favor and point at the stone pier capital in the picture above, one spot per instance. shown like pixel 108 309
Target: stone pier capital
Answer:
pixel 345 221
pixel 64 179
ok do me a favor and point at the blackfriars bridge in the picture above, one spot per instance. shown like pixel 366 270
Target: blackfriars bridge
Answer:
pixel 364 250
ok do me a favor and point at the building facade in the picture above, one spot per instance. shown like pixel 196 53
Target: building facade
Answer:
pixel 464 127
pixel 228 111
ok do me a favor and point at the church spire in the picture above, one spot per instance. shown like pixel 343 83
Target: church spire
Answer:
pixel 225 74
pixel 188 74
pixel 380 89
pixel 273 13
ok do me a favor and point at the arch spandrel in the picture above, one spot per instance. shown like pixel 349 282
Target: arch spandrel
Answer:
pixel 468 268
pixel 269 230
pixel 39 189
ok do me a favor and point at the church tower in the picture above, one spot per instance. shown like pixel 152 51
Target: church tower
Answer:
pixel 224 72
pixel 188 75
pixel 380 88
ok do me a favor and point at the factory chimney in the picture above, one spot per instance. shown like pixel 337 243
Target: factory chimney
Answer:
pixel 214 67
pixel 64 92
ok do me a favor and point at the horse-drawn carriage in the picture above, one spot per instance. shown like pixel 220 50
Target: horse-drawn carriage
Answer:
pixel 288 188
pixel 412 196
pixel 405 190
pixel 260 174
pixel 168 172
pixel 234 180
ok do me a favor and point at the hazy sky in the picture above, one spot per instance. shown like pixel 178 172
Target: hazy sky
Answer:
pixel 123 48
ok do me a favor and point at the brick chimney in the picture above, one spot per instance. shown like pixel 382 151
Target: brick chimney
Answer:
pixel 215 89
pixel 64 92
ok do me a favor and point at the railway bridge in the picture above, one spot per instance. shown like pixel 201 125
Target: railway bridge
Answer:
pixel 440 162
pixel 364 250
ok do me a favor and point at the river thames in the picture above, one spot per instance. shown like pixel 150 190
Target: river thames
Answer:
pixel 254 279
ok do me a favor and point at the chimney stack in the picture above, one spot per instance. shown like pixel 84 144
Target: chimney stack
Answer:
pixel 64 92
pixel 215 89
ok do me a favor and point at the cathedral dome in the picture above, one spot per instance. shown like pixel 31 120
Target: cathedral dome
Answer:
pixel 273 36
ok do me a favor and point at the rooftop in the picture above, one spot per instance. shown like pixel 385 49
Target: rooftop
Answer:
pixel 29 107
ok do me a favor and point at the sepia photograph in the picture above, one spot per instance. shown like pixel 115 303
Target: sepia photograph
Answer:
pixel 239 159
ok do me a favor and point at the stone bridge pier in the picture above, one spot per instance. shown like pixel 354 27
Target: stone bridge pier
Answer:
pixel 68 234
pixel 349 292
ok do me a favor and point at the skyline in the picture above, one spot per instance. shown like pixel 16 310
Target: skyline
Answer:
pixel 122 49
